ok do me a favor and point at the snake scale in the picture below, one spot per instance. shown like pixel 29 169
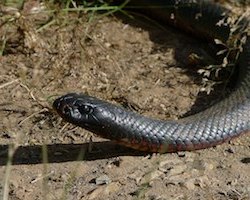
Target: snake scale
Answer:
pixel 221 122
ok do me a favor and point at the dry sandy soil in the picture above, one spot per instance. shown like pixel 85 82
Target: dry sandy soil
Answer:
pixel 128 61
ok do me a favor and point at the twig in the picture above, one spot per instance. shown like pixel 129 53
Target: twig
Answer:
pixel 8 83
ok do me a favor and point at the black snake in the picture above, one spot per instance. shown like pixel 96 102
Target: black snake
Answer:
pixel 217 124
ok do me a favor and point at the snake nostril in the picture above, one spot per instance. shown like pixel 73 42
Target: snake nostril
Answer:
pixel 66 110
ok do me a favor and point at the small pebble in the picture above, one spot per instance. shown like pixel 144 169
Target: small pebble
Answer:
pixel 104 179
pixel 189 184
pixel 202 181
pixel 177 170
pixel 104 190
pixel 156 174
pixel 165 165
pixel 230 150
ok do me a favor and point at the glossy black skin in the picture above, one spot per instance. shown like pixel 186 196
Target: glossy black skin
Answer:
pixel 223 121
pixel 81 110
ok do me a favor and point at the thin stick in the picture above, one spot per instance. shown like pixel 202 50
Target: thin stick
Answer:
pixel 33 114
pixel 8 83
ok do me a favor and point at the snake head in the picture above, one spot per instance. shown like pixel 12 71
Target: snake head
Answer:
pixel 81 110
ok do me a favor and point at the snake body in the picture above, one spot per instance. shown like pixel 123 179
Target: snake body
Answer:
pixel 221 122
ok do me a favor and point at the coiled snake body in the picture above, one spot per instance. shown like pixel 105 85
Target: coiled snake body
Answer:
pixel 219 123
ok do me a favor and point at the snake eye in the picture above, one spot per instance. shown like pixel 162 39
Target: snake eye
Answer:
pixel 85 109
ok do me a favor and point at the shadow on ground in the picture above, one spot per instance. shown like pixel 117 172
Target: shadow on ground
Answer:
pixel 58 153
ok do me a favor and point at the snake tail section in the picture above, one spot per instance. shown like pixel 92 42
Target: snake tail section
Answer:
pixel 221 122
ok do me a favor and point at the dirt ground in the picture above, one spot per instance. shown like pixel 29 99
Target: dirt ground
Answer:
pixel 128 61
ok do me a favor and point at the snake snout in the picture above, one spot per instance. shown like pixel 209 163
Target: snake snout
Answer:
pixel 57 103
pixel 63 103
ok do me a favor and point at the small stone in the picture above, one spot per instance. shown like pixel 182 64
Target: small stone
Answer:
pixel 156 174
pixel 102 180
pixel 177 170
pixel 202 181
pixel 172 182
pixel 112 187
pixel 104 190
pixel 230 150
pixel 165 165
pixel 189 184
pixel 181 154
pixel 107 44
